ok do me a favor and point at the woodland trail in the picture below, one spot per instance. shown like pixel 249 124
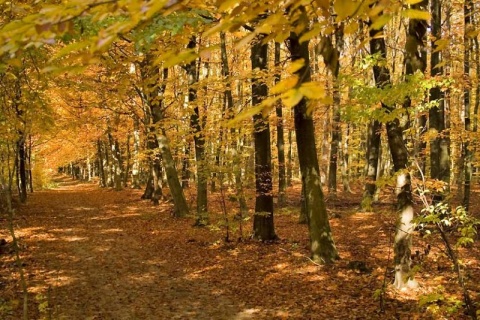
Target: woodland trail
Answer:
pixel 101 254
pixel 94 253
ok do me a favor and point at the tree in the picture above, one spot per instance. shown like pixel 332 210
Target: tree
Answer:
pixel 263 226
pixel 322 246
pixel 198 138
pixel 154 95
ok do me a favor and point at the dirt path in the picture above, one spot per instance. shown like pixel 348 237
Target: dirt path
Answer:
pixel 99 254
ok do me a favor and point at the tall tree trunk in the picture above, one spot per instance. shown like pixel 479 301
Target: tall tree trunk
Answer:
pixel 322 246
pixel 373 153
pixel 234 146
pixel 21 169
pixel 467 152
pixel 199 140
pixel 282 182
pixel 154 93
pixel 101 165
pixel 331 56
pixel 29 164
pixel 186 164
pixel 440 145
pixel 398 150
pixel 128 156
pixel 263 226
pixel 290 158
pixel 117 162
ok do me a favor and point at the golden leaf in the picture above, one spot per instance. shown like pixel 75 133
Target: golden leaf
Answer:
pixel 416 14
pixel 284 85
pixel 312 90
pixel 291 98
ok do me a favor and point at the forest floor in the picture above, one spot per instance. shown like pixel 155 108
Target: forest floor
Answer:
pixel 91 253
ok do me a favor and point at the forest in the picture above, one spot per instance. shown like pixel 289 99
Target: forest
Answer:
pixel 188 159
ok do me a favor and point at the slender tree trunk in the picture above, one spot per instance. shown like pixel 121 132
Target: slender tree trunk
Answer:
pixel 440 145
pixel 373 152
pixel 467 150
pixel 263 226
pixel 22 173
pixel 290 158
pixel 322 246
pixel 136 153
pixel 282 182
pixel 126 171
pixel 185 165
pixel 234 146
pixel 101 165
pixel 331 55
pixel 29 164
pixel 199 140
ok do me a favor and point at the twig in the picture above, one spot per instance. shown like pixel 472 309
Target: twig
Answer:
pixel 304 256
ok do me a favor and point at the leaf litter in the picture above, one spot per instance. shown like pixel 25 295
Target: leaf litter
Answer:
pixel 92 253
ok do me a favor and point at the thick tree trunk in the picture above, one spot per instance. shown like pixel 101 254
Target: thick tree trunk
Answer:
pixel 263 226
pixel 403 190
pixel 282 182
pixel 322 246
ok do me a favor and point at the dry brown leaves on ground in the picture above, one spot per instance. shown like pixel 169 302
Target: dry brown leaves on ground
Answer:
pixel 92 253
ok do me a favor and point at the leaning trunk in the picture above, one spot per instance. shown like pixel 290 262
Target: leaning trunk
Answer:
pixel 322 246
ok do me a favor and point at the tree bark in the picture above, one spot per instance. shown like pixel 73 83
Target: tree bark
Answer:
pixel 440 145
pixel 199 140
pixel 467 154
pixel 322 246
pixel 154 93
pixel 263 225
pixel 398 150
pixel 234 146
pixel 101 165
